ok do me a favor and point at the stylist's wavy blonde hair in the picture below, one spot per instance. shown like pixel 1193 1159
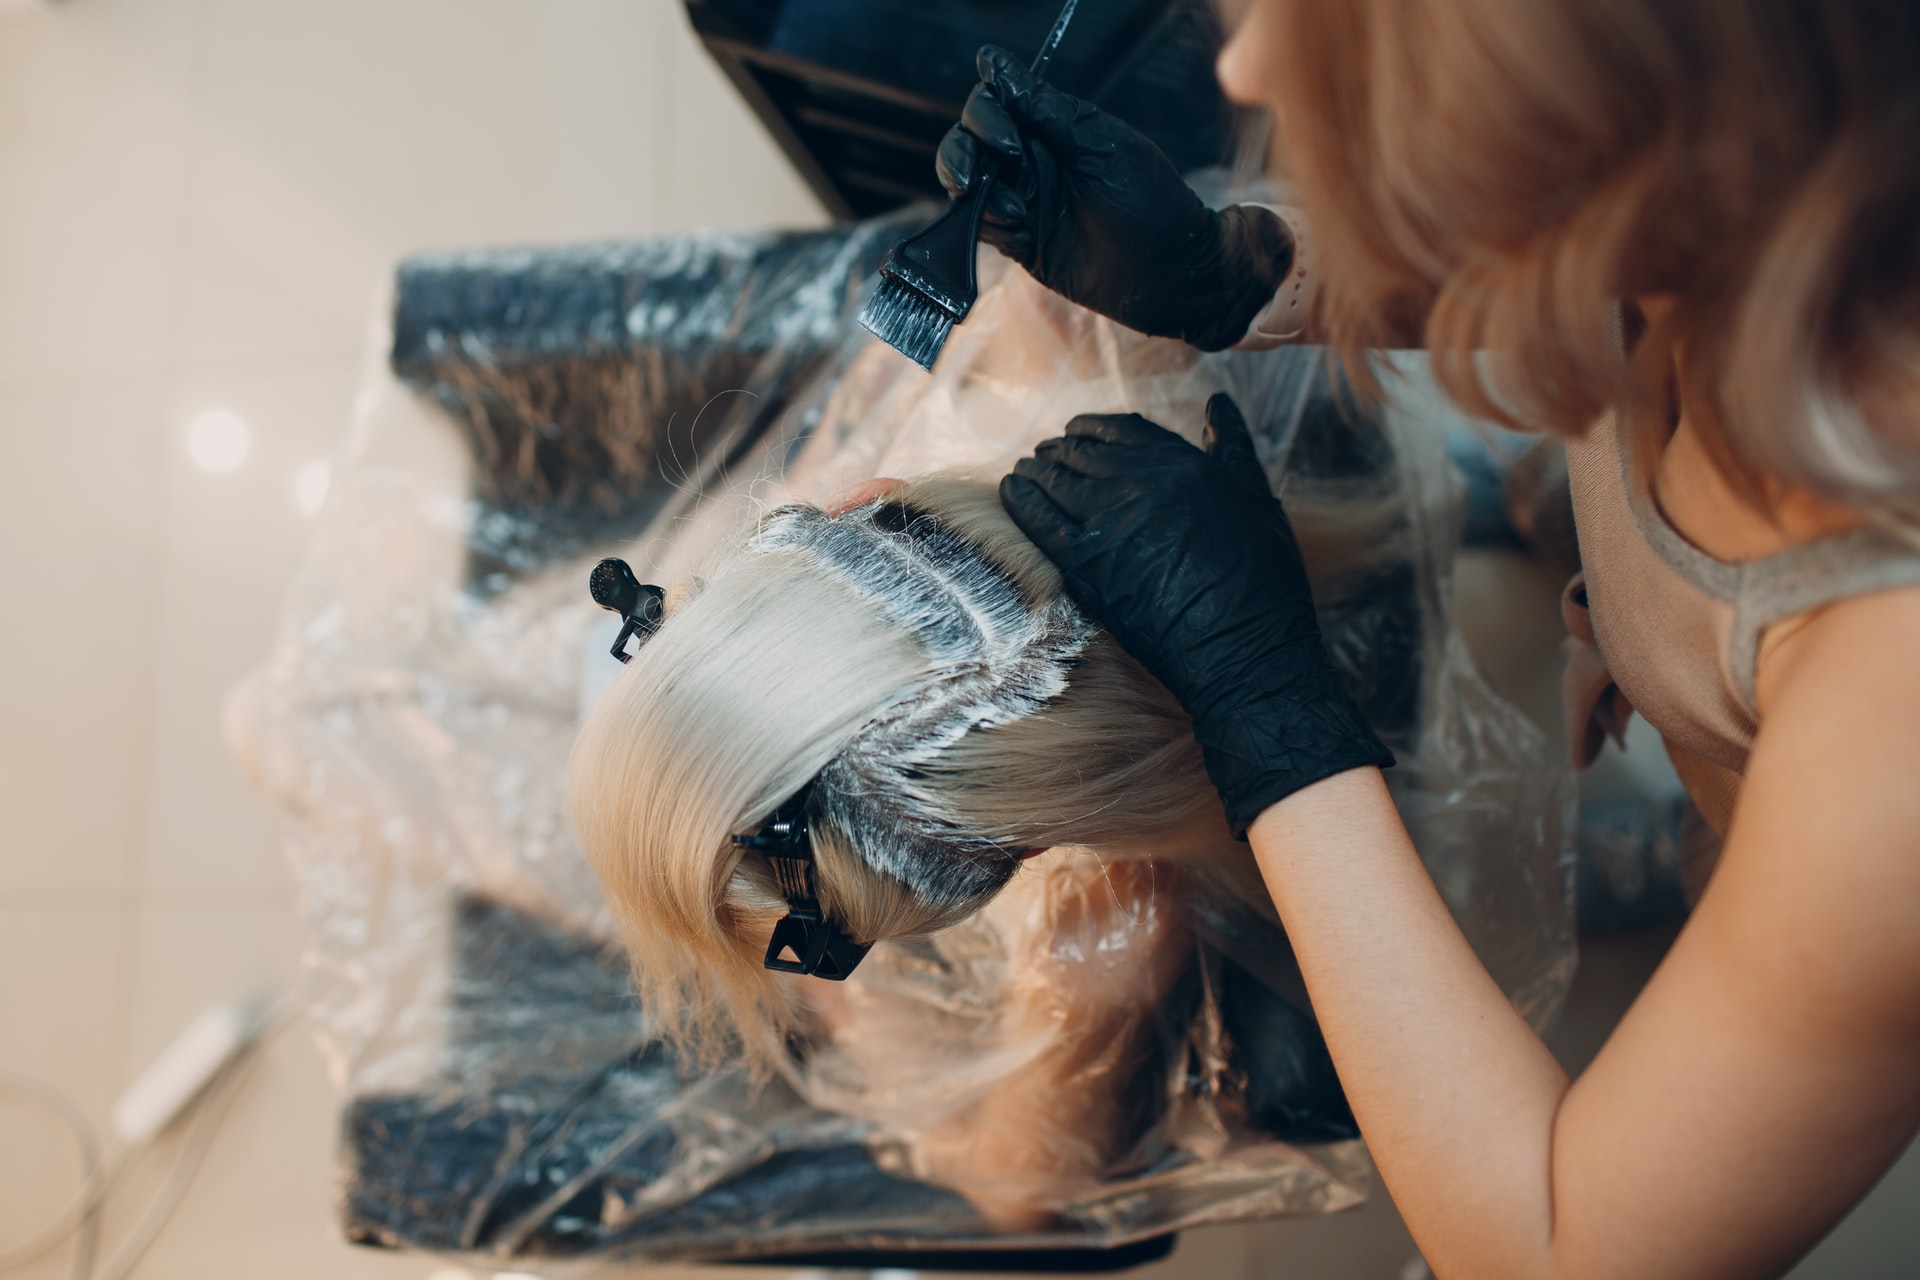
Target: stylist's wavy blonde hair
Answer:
pixel 1507 169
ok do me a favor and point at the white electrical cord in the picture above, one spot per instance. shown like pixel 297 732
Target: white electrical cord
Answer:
pixel 82 1214
pixel 212 1108
pixel 209 1105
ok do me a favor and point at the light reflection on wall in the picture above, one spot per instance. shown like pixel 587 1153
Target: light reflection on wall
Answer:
pixel 218 441
pixel 310 485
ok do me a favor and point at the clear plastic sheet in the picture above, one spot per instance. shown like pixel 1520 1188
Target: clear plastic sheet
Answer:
pixel 502 1097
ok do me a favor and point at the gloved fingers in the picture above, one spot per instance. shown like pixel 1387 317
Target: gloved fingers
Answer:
pixel 1002 73
pixel 957 161
pixel 1035 512
pixel 1123 428
pixel 1014 240
pixel 989 122
pixel 1039 109
pixel 1072 499
pixel 1099 459
pixel 1005 208
pixel 1228 442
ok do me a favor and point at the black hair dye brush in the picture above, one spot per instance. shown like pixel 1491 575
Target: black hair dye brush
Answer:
pixel 927 280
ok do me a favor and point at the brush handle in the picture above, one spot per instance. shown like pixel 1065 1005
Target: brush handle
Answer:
pixel 1054 37
pixel 939 261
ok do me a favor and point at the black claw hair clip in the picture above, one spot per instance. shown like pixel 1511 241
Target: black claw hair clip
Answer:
pixel 820 949
pixel 642 608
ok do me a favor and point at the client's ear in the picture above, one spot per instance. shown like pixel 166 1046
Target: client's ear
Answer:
pixel 860 494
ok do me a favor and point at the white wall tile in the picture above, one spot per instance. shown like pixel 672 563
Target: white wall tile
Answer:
pixel 80 510
pixel 185 958
pixel 333 139
pixel 606 62
pixel 722 170
pixel 92 164
pixel 228 545
pixel 62 1007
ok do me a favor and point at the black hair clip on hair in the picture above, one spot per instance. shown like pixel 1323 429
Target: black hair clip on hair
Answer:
pixel 642 608
pixel 819 946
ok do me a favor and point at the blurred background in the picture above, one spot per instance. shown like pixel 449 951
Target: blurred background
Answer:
pixel 200 204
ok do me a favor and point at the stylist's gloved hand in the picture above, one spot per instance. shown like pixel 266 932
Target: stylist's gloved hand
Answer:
pixel 1098 214
pixel 1187 558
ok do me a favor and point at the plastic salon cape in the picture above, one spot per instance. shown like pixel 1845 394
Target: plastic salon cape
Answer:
pixel 532 411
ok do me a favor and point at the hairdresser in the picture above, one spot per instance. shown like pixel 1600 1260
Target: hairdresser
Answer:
pixel 1688 229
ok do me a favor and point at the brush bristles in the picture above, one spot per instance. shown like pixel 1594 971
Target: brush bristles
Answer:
pixel 907 320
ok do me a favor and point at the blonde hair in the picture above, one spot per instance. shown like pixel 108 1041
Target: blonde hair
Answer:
pixel 917 661
pixel 1500 172
pixel 895 656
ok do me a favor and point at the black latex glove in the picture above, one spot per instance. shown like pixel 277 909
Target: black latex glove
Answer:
pixel 1189 561
pixel 1098 214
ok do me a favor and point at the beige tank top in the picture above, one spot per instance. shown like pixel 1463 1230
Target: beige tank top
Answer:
pixel 1662 628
